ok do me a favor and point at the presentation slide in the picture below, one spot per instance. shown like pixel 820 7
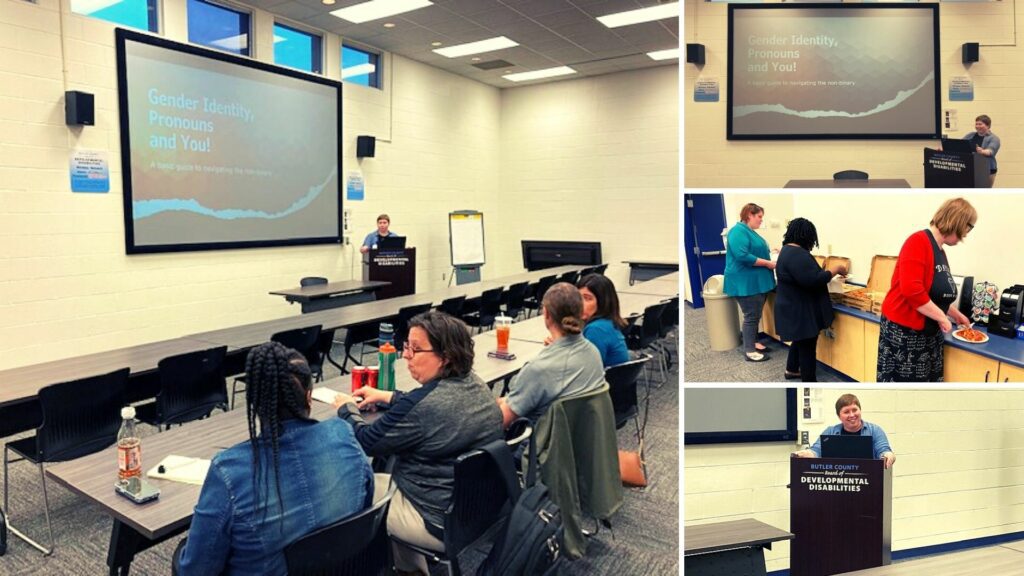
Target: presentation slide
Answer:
pixel 850 71
pixel 221 154
pixel 714 415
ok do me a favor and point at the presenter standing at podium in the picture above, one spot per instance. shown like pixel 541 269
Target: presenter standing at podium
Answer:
pixel 382 231
pixel 850 423
pixel 985 143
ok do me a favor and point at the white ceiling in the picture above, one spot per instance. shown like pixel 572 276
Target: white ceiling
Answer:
pixel 549 32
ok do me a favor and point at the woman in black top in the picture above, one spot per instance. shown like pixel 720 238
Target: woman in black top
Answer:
pixel 802 305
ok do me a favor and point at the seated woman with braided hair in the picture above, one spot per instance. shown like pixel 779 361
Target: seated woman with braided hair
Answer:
pixel 293 476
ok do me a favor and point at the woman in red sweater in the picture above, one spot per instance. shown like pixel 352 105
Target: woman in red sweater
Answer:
pixel 923 294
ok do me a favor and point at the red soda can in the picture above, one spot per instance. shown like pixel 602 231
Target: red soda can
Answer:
pixel 371 375
pixel 358 377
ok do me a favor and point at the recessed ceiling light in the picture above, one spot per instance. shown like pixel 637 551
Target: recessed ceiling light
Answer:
pixel 536 74
pixel 664 54
pixel 477 47
pixel 327 2
pixel 389 24
pixel 642 15
pixel 435 44
pixel 376 9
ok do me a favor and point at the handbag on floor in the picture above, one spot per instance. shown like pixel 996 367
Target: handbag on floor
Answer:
pixel 631 468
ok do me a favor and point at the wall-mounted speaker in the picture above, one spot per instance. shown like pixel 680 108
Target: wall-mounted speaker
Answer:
pixel 695 54
pixel 366 146
pixel 79 108
pixel 970 52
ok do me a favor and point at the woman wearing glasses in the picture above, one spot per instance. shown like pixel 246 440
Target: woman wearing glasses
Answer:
pixel 428 428
pixel 917 310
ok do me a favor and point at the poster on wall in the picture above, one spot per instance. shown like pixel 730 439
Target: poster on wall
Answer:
pixel 355 188
pixel 90 171
pixel 961 89
pixel 705 90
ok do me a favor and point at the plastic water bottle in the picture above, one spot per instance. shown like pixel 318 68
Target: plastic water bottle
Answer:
pixel 129 447
pixel 386 358
pixel 386 333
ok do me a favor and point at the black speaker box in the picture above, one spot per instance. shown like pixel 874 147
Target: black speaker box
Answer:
pixel 966 295
pixel 971 52
pixel 365 146
pixel 695 54
pixel 79 109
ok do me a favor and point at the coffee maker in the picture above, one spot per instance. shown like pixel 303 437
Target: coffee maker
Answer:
pixel 1011 307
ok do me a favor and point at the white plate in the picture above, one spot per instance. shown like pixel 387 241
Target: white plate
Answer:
pixel 962 339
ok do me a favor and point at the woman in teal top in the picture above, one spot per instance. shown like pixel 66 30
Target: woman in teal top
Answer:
pixel 748 275
pixel 604 324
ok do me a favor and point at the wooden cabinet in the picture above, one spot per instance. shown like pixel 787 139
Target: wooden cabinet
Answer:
pixel 848 346
pixel 768 316
pixel 962 366
pixel 871 332
pixel 824 351
pixel 1009 373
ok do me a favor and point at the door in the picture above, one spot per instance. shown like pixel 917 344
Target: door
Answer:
pixel 703 222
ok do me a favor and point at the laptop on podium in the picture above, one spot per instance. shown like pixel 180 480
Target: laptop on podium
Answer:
pixel 847 446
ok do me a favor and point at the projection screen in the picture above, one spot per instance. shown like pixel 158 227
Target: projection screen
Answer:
pixel 220 151
pixel 828 71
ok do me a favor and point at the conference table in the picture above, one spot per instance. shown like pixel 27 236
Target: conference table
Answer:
pixel 734 547
pixel 332 294
pixel 993 560
pixel 640 270
pixel 870 183
pixel 139 527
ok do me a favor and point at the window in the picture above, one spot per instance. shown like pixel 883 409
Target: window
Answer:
pixel 218 27
pixel 139 14
pixel 360 66
pixel 297 49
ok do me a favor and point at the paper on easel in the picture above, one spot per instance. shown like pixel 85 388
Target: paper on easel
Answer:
pixel 324 394
pixel 181 469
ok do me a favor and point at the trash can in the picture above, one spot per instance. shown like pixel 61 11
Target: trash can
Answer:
pixel 722 315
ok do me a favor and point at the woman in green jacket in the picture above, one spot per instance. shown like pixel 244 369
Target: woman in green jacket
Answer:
pixel 748 275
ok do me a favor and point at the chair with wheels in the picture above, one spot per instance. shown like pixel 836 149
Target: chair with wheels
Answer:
pixel 490 307
pixel 192 385
pixel 80 417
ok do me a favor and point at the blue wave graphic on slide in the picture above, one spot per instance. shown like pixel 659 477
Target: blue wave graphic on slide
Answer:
pixel 901 96
pixel 145 208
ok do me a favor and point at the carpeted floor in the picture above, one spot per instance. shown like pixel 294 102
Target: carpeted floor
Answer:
pixel 644 539
pixel 705 365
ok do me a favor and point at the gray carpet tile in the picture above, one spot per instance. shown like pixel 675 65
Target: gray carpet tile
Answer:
pixel 705 365
pixel 644 538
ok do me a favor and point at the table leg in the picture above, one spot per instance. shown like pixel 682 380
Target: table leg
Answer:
pixel 735 562
pixel 124 543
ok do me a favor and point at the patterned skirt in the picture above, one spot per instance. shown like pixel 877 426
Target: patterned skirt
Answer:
pixel 908 355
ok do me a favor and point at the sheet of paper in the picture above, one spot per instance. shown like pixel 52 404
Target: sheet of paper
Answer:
pixel 324 394
pixel 181 469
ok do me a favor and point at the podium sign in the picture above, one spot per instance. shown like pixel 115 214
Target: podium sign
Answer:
pixel 840 515
pixel 395 266
pixel 955 170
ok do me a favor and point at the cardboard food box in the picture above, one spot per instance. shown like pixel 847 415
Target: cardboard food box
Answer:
pixel 870 298
pixel 826 262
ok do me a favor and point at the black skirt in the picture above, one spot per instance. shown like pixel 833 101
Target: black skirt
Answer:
pixel 908 355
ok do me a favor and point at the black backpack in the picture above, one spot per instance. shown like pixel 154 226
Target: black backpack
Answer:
pixel 530 542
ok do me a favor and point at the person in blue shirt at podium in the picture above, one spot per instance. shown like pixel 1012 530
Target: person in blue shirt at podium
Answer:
pixel 373 238
pixel 985 143
pixel 850 422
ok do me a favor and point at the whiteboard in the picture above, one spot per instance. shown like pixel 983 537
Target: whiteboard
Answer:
pixel 466 236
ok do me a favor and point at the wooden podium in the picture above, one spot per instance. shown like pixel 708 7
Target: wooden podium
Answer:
pixel 840 515
pixel 955 170
pixel 395 266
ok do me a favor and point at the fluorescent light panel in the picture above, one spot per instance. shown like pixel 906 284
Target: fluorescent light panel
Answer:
pixel 642 15
pixel 376 9
pixel 537 74
pixel 477 47
pixel 357 70
pixel 664 54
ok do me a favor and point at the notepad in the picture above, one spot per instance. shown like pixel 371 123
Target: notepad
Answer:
pixel 324 394
pixel 181 469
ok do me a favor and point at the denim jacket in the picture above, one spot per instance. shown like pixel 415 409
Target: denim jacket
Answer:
pixel 325 476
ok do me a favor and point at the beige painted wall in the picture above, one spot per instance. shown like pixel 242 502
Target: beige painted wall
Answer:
pixel 712 161
pixel 959 472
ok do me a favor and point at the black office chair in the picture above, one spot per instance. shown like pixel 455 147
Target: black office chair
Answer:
pixel 850 175
pixel 515 299
pixel 490 307
pixel 622 380
pixel 402 322
pixel 80 417
pixel 192 385
pixel 305 341
pixel 453 306
pixel 356 546
pixel 312 281
pixel 645 333
pixel 533 301
pixel 669 319
pixel 358 334
pixel 570 277
pixel 601 269
pixel 518 431
pixel 480 500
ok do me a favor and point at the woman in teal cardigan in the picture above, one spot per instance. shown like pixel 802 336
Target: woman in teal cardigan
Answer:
pixel 748 275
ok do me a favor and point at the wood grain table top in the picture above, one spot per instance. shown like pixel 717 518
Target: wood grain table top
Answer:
pixel 704 538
